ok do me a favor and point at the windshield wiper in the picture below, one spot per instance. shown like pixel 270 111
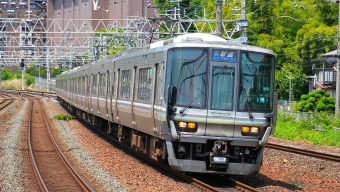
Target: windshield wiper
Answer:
pixel 189 104
pixel 251 116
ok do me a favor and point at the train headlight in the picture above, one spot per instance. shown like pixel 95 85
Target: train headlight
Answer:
pixel 182 124
pixel 254 130
pixel 250 130
pixel 187 126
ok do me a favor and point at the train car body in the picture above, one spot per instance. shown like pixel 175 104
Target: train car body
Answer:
pixel 199 102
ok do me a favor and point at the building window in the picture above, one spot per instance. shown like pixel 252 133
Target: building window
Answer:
pixel 13 6
pixel 23 6
pixel 115 3
pixel 85 4
pixel 4 6
pixel 58 13
pixel 33 6
pixel 10 14
pixel 68 12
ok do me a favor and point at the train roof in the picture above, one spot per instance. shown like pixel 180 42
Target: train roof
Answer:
pixel 186 40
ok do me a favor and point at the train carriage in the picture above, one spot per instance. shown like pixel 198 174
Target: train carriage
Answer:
pixel 199 102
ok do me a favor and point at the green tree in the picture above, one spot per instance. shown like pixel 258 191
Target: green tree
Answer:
pixel 298 81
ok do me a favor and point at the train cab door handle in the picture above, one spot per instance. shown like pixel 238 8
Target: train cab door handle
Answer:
pixel 220 113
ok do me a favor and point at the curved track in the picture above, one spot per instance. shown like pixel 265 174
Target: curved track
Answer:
pixel 5 100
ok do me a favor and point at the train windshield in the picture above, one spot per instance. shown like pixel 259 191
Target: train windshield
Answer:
pixel 187 78
pixel 257 82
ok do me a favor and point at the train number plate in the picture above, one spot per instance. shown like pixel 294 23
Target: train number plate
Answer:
pixel 220 159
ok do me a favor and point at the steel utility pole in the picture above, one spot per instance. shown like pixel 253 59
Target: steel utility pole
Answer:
pixel 337 88
pixel 219 18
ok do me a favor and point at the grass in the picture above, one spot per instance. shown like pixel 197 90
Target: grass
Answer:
pixel 64 117
pixel 288 127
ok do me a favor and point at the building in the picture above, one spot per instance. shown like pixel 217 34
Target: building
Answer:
pixel 325 77
pixel 95 10
pixel 21 24
pixel 74 22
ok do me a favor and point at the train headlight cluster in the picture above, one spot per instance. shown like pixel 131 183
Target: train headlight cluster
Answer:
pixel 187 126
pixel 250 130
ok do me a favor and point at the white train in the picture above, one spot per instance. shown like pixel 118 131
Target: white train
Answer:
pixel 197 101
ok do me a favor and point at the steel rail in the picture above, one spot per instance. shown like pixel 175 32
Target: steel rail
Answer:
pixel 71 169
pixel 37 174
pixel 320 155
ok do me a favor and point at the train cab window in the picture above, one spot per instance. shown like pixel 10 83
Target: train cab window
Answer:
pixel 94 85
pixel 144 85
pixel 187 76
pixel 222 88
pixel 257 82
pixel 102 85
pixel 125 84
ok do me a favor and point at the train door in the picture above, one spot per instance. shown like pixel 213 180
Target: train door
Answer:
pixel 144 98
pixel 133 118
pixel 115 95
pixel 221 108
pixel 108 97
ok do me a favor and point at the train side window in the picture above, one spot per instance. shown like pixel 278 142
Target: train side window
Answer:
pixel 83 85
pixel 94 85
pixel 87 85
pixel 102 86
pixel 109 83
pixel 144 85
pixel 78 85
pixel 125 84
pixel 114 83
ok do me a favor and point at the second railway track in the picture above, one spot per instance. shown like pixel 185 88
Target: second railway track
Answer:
pixel 320 155
pixel 52 169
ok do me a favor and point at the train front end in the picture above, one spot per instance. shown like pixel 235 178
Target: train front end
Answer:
pixel 220 107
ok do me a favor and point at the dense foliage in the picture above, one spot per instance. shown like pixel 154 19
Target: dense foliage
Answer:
pixel 297 31
pixel 316 101
pixel 10 75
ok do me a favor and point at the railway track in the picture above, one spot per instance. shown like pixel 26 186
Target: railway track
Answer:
pixel 5 100
pixel 315 154
pixel 52 170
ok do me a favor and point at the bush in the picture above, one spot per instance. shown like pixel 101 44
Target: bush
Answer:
pixel 29 80
pixel 64 117
pixel 312 94
pixel 320 107
pixel 304 97
pixel 5 75
pixel 320 91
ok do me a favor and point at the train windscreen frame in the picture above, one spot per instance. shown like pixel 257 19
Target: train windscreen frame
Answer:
pixel 257 78
pixel 187 76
